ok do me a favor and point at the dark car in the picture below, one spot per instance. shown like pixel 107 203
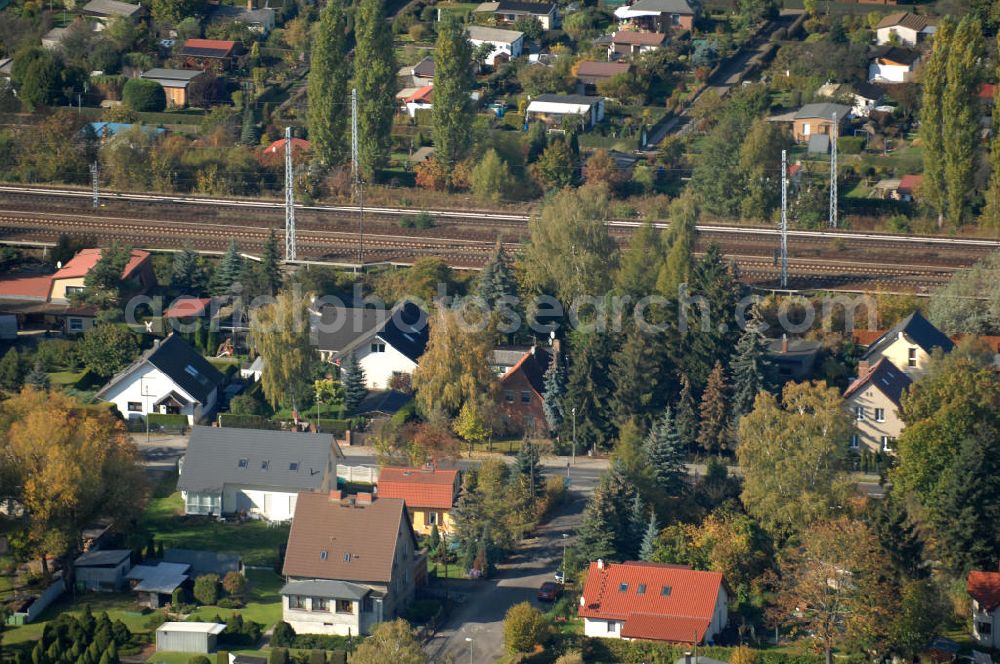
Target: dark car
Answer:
pixel 549 592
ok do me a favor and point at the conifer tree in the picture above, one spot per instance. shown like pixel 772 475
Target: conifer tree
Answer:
pixel 327 94
pixel 713 435
pixel 640 263
pixel 375 80
pixel 596 537
pixel 555 392
pixel 635 371
pixel 665 455
pixel 37 378
pixel 248 130
pixel 589 389
pixel 186 276
pixel 270 265
pixel 228 270
pixel 355 389
pixel 637 523
pixel 11 370
pixel 714 280
pixel 648 546
pixel 750 367
pixel 527 467
pixel 685 416
pixel 452 112
pixel 496 280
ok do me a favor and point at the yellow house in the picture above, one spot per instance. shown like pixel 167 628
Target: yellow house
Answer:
pixel 873 400
pixel 71 277
pixel 908 345
pixel 429 494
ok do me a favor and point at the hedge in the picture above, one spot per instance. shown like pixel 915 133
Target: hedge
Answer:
pixel 333 426
pixel 140 94
pixel 245 421
pixel 167 421
pixel 636 652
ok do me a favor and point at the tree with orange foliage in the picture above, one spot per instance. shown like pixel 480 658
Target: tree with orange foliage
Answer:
pixel 66 465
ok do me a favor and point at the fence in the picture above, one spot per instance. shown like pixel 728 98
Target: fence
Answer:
pixel 40 603
pixel 359 474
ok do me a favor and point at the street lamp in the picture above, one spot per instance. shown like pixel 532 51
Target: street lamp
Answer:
pixel 565 539
pixel 468 640
pixel 145 402
pixel 574 435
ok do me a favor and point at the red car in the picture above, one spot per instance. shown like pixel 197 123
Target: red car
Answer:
pixel 549 592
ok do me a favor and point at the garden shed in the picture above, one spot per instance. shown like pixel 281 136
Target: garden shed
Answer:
pixel 196 637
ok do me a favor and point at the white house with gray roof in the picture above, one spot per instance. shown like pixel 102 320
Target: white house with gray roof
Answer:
pixel 254 471
pixel 507 44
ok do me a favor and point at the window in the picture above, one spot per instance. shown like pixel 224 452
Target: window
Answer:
pixel 623 588
pixel 243 463
pixel 612 627
pixel 805 129
pixel 525 397
pixel 880 414
pixel 345 606
pixel 323 555
pixel 888 444
pixel 855 441
pixel 984 628
pixel 293 466
pixel 75 324
pixel 508 396
pixel 296 602
pixel 134 407
pixel 641 590
pixel 911 357
pixel 432 518
pixel 74 289
pixel 264 464
pixel 378 347
pixel 665 591
pixel 320 604
pixel 859 413
pixel 190 370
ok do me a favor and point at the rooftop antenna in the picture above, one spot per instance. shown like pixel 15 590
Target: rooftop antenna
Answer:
pixel 289 199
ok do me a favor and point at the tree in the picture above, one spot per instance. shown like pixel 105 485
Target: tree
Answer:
pixel 958 307
pixel 391 641
pixel 328 392
pixel 206 589
pixel 489 177
pixel 11 370
pixel 355 385
pixel 555 167
pixel 685 416
pixel 270 265
pixel 228 271
pixel 103 287
pixel 760 159
pixel 455 368
pixel 648 545
pixel 589 389
pixel 891 523
pixel 991 211
pixel 279 333
pixel 172 12
pixel 931 119
pixel 921 613
pixel 474 423
pixel 794 457
pixel 186 276
pixel 605 531
pixel 640 263
pixel 528 469
pixel 66 465
pixel 248 129
pixel 144 96
pixel 375 80
pixel 40 82
pixel 452 112
pixel 570 253
pixel 497 285
pixel 523 628
pixel 665 456
pixel 329 72
pixel 959 113
pixel 676 268
pixel 36 378
pixel 711 331
pixel 106 348
pixel 234 583
pixel 635 372
pixel 713 434
pixel 555 393
pixel 751 369
pixel 831 585
pixel 283 635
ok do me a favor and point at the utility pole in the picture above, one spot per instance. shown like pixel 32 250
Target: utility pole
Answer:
pixel 289 199
pixel 834 130
pixel 784 219
pixel 359 187
pixel 95 183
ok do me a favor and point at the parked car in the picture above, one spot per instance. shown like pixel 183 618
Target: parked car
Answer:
pixel 549 592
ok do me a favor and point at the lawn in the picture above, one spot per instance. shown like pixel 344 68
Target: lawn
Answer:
pixel 256 541
pixel 263 603
pixel 64 378
pixel 120 606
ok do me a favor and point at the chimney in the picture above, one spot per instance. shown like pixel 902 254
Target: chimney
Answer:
pixel 863 367
pixel 784 342
pixel 533 348
pixel 249 5
pixel 687 657
pixel 364 498
pixel 335 494
pixel 600 563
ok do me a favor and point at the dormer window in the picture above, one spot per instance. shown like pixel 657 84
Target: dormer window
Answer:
pixel 623 588
pixel 665 591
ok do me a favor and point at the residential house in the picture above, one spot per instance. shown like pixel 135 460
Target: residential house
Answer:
pixel 866 97
pixel 258 21
pixel 103 570
pixel 70 278
pixel 416 100
pixel 874 401
pixel 589 73
pixel 191 637
pixel 429 493
pixel 984 589
pixel 658 15
pixel 171 377
pixel 507 44
pixel 206 562
pixel 423 72
pixel 274 154
pixel 554 109
pixel 909 187
pixel 104 131
pixel 793 359
pixel 653 601
pixel 351 563
pixel 387 344
pixel 817 118
pixel 903 28
pixel 106 11
pixel 522 390
pixel 155 584
pixel 53 39
pixel 893 64
pixel 507 12
pixel 175 83
pixel 204 54
pixel 630 42
pixel 908 345
pixel 256 472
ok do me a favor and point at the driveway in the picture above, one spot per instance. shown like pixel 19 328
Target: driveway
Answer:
pixel 161 451
pixel 480 616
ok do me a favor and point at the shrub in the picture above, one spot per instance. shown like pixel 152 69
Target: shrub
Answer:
pixel 199 659
pixel 850 144
pixel 422 221
pixel 177 597
pixel 56 353
pixel 523 628
pixel 206 589
pixel 230 603
pixel 234 583
pixel 241 632
pixel 278 655
pixel 155 619
pixel 283 635
pixel 144 96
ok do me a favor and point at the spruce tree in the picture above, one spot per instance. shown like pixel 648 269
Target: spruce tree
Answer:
pixel 640 263
pixel 750 367
pixel 686 416
pixel 589 389
pixel 713 435
pixel 375 80
pixel 636 525
pixel 527 466
pixel 621 491
pixel 329 72
pixel 353 379
pixel 714 280
pixel 270 265
pixel 248 130
pixel 11 371
pixel 496 280
pixel 648 546
pixel 892 525
pixel 555 392
pixel 452 113
pixel 596 537
pixel 186 277
pixel 228 271
pixel 665 455
pixel 635 371
pixel 37 378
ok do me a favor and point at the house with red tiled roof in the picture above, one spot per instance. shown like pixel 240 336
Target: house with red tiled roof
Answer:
pixel 274 154
pixel 984 589
pixel 653 601
pixel 429 494
pixel 70 277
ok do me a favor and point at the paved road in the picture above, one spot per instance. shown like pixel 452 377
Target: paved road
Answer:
pixel 477 622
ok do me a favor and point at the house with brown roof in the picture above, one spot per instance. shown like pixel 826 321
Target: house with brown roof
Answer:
pixel 589 73
pixel 630 42
pixel 429 493
pixel 984 589
pixel 207 54
pixel 522 390
pixel 874 401
pixel 903 28
pixel 351 563
pixel 893 64
pixel 653 601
